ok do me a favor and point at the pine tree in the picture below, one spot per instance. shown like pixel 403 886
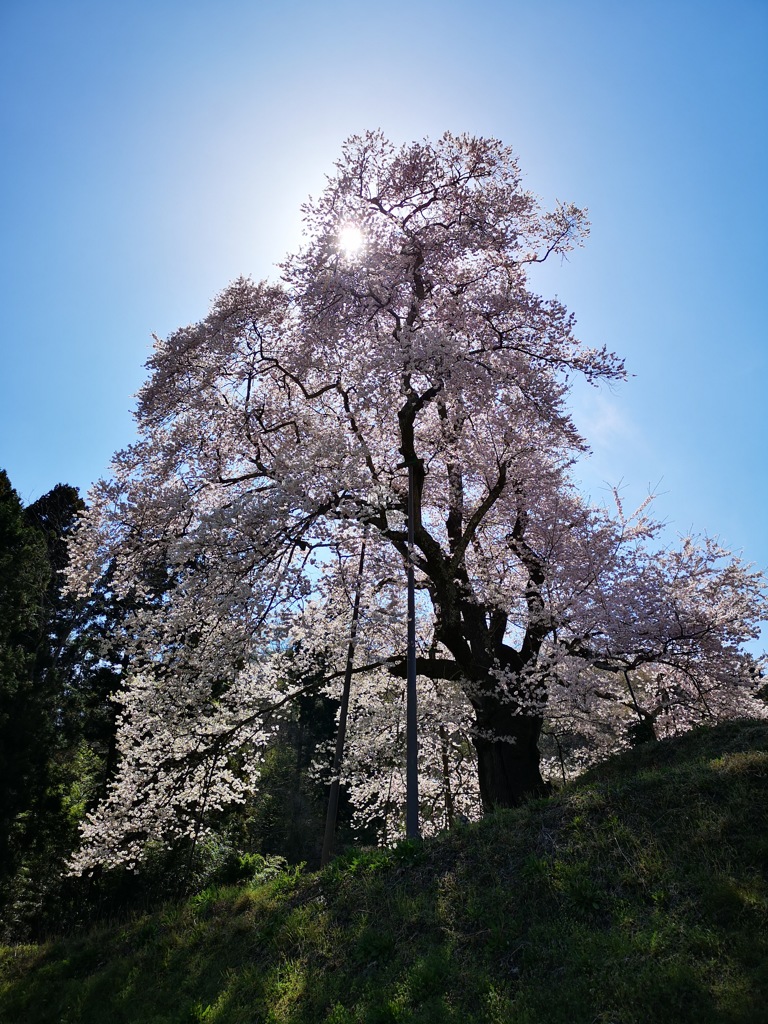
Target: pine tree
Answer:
pixel 25 725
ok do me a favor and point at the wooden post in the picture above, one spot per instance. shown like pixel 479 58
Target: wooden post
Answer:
pixel 412 749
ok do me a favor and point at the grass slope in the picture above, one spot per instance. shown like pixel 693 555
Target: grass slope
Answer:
pixel 638 894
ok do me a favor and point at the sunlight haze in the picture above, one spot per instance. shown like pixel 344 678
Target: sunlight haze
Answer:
pixel 155 152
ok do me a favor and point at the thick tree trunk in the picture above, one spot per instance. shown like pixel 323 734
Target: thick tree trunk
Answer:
pixel 508 765
pixel 506 743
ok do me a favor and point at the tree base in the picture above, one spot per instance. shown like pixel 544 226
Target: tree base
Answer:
pixel 508 768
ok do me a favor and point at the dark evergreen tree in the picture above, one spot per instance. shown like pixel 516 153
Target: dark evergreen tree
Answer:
pixel 57 721
pixel 78 655
pixel 25 726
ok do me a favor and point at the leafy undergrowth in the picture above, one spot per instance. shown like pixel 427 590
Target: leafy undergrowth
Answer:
pixel 637 894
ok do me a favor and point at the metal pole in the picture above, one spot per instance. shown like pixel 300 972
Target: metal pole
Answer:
pixel 411 763
pixel 333 797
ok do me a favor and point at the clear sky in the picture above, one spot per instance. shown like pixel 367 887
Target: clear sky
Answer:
pixel 153 151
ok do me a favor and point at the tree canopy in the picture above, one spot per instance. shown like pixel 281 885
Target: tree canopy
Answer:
pixel 275 432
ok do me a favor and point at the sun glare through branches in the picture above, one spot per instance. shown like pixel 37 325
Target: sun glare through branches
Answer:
pixel 351 239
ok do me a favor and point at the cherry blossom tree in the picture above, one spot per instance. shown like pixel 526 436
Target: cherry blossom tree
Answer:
pixel 280 429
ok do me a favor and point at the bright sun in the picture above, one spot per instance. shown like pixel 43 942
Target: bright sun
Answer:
pixel 350 239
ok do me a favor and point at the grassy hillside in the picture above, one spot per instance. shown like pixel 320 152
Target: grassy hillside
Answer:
pixel 638 894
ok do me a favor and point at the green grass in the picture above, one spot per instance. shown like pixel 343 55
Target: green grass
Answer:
pixel 637 895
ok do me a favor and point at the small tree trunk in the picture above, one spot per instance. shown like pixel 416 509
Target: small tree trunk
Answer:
pixel 508 766
pixel 447 794
pixel 333 797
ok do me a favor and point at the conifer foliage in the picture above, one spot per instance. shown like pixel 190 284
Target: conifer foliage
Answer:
pixel 57 723
pixel 25 729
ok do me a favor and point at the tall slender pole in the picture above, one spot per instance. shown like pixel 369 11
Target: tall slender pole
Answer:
pixel 333 797
pixel 411 763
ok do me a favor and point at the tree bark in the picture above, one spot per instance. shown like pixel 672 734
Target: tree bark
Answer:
pixel 507 743
pixel 508 759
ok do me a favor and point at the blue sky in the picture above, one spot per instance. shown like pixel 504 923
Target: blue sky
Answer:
pixel 154 151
